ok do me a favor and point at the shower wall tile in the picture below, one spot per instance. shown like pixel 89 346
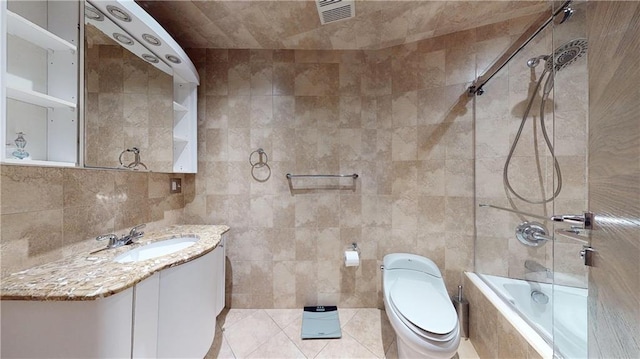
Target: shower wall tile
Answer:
pixel 489 50
pixel 404 144
pixel 459 178
pixel 404 109
pixel 316 79
pixel 492 31
pixel 399 117
pixel 29 189
pixel 217 112
pixel 239 114
pixel 48 213
pixel 26 242
pixel 485 248
pixel 461 64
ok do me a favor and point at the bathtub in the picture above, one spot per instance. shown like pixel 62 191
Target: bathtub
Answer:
pixel 534 319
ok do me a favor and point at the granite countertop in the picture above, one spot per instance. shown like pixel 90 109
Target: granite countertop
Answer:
pixel 91 276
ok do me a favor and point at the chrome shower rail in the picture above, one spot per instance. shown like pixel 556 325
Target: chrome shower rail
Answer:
pixel 290 176
pixel 534 29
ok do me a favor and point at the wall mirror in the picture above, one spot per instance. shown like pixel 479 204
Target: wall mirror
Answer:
pixel 128 102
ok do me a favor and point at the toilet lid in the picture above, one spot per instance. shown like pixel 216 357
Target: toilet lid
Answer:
pixel 423 305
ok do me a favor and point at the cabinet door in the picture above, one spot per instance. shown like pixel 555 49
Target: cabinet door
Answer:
pixel 186 310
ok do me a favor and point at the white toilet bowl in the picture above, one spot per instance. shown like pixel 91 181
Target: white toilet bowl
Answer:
pixel 419 308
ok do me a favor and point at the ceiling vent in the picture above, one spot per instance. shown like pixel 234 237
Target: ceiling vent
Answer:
pixel 335 10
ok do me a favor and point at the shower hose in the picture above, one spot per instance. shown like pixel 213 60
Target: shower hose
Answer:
pixel 505 173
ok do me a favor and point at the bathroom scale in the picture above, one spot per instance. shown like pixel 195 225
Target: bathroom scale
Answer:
pixel 321 322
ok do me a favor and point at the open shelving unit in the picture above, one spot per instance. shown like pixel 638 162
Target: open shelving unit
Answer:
pixel 39 61
pixel 184 126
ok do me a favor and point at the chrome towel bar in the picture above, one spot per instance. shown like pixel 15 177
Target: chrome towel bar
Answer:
pixel 290 176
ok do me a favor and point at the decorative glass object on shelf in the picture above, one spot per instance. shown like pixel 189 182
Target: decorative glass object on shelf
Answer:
pixel 21 143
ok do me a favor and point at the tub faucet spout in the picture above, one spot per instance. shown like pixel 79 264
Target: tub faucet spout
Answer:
pixel 536 267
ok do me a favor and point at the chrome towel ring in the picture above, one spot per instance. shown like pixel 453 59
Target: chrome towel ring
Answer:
pixel 260 163
pixel 136 159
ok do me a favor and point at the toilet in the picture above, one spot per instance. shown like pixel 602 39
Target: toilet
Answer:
pixel 419 308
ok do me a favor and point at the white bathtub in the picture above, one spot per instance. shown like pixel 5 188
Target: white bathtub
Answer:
pixel 534 320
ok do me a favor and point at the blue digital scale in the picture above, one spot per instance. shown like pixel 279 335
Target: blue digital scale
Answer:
pixel 321 322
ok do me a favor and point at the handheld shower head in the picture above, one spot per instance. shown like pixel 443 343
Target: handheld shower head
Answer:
pixel 535 61
pixel 567 53
pixel 562 56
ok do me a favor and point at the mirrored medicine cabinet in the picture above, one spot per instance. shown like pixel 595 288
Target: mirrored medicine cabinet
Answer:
pixel 132 105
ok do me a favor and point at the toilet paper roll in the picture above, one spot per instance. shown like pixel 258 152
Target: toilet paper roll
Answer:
pixel 351 259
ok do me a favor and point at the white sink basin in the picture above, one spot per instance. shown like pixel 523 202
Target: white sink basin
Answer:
pixel 156 249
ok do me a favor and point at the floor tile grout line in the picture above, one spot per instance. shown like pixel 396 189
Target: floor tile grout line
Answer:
pixel 384 350
pixel 351 336
pixel 250 316
pixel 342 325
pixel 373 355
pixel 253 311
pixel 282 328
pixel 365 346
pixel 224 338
pixel 300 349
pixel 261 345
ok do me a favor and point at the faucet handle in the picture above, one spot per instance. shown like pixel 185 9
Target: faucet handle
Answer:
pixel 113 239
pixel 103 237
pixel 134 230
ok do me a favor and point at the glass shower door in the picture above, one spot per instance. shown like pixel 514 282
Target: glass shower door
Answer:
pixel 531 163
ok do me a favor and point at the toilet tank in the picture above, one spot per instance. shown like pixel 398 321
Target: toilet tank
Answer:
pixel 411 262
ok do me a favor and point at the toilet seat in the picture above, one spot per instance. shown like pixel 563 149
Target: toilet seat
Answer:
pixel 436 321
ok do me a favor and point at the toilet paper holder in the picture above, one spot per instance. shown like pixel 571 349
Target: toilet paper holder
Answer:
pixel 354 247
pixel 352 256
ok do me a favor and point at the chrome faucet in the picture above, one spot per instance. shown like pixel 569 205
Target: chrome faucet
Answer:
pixel 115 242
pixel 134 234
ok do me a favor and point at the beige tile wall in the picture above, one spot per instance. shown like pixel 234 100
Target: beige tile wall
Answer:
pixel 490 332
pixel 398 117
pixel 498 115
pixel 48 213
pixel 129 103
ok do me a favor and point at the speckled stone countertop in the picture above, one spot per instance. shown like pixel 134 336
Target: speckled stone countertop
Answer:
pixel 91 276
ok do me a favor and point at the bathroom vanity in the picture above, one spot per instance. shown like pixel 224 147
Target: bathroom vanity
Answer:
pixel 90 306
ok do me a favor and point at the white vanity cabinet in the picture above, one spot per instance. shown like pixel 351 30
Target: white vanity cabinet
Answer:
pixel 39 88
pixel 98 328
pixel 171 314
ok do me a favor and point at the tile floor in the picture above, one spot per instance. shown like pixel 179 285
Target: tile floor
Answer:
pixel 275 333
